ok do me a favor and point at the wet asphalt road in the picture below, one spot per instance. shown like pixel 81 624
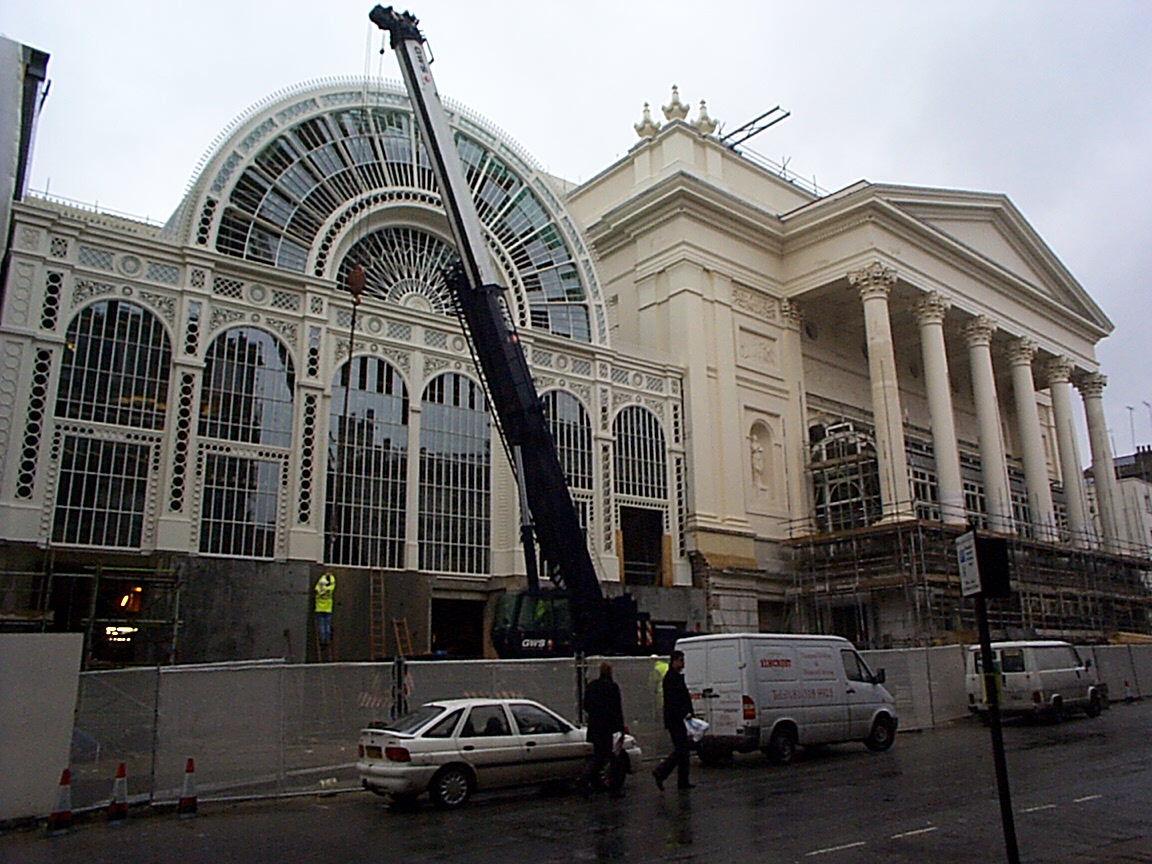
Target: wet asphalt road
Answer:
pixel 1081 791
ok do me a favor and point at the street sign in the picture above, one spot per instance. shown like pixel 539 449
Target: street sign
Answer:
pixel 969 568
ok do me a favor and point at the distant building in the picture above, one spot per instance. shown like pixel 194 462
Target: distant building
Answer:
pixel 776 408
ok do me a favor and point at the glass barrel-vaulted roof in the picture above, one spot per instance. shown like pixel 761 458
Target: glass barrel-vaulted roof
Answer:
pixel 330 175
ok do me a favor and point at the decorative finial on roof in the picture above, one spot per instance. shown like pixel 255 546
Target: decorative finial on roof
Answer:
pixel 647 127
pixel 675 110
pixel 705 124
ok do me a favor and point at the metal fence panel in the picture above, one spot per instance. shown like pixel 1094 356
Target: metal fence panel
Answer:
pixel 906 674
pixel 227 717
pixel 114 722
pixel 946 683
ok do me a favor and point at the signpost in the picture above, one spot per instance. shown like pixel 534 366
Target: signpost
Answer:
pixel 983 564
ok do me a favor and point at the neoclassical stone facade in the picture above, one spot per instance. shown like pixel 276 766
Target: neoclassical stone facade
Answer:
pixel 763 397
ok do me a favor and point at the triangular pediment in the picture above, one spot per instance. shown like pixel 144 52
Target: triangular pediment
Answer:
pixel 991 228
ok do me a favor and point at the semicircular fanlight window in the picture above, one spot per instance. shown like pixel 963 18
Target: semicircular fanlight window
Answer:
pixel 405 266
pixel 311 180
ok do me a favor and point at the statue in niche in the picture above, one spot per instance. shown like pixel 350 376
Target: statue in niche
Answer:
pixel 756 443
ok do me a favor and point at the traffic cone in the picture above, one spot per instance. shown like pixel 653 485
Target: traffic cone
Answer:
pixel 118 806
pixel 60 819
pixel 187 805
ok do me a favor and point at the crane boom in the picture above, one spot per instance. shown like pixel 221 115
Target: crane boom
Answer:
pixel 546 505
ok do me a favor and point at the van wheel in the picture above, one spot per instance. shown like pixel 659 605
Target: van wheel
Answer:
pixel 450 788
pixel 781 749
pixel 1093 709
pixel 882 735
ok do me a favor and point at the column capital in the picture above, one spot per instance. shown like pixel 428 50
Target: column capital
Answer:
pixel 979 331
pixel 791 314
pixel 931 308
pixel 1059 370
pixel 1091 385
pixel 1021 351
pixel 875 280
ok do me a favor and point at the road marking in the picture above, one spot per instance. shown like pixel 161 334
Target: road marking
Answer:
pixel 1086 798
pixel 834 849
pixel 1041 807
pixel 914 833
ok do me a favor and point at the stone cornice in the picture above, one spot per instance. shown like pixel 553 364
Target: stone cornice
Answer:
pixel 819 220
pixel 684 194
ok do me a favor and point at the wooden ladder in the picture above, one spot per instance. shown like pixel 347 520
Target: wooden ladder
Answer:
pixel 378 650
pixel 403 637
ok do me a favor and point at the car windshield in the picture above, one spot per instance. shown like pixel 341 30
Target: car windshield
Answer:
pixel 409 723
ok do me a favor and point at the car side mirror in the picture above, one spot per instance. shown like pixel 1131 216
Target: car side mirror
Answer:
pixel 879 677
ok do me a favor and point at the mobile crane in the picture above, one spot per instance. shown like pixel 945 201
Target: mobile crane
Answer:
pixel 577 618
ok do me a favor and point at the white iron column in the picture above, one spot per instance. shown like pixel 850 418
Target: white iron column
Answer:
pixel 1020 354
pixel 930 311
pixel 1091 389
pixel 978 333
pixel 875 282
pixel 1059 372
pixel 795 420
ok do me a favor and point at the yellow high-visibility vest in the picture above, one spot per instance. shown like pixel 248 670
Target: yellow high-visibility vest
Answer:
pixel 325 590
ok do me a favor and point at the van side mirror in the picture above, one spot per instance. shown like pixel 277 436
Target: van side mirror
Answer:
pixel 879 677
pixel 1088 663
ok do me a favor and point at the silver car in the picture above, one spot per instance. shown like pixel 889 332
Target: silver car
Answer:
pixel 453 747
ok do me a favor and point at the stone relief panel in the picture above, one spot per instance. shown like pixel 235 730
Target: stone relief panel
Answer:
pixel 757 351
pixel 754 303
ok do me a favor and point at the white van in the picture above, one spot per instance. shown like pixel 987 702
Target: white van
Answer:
pixel 774 691
pixel 1035 678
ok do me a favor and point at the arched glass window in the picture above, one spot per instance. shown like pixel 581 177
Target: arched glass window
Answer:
pixel 641 487
pixel 115 370
pixel 367 466
pixel 455 476
pixel 115 367
pixel 845 477
pixel 247 390
pixel 640 460
pixel 572 433
pixel 245 397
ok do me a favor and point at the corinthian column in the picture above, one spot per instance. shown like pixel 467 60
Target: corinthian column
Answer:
pixel 1091 389
pixel 930 311
pixel 978 334
pixel 875 282
pixel 1020 354
pixel 1059 372
pixel 795 420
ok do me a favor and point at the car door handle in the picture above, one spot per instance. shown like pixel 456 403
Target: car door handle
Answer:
pixel 529 743
pixel 850 690
pixel 467 747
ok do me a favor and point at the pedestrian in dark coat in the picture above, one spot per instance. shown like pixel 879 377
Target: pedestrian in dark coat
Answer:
pixel 605 712
pixel 677 708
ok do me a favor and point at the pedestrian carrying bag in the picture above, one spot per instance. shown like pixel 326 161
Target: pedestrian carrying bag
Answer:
pixel 696 728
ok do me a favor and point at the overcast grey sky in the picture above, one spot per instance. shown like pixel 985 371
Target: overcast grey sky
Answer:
pixel 1048 102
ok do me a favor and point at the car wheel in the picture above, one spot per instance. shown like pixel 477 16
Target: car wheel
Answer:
pixel 882 735
pixel 1093 709
pixel 781 748
pixel 450 788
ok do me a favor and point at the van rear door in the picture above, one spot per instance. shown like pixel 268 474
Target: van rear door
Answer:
pixel 723 689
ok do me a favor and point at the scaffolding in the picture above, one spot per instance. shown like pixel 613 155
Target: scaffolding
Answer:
pixel 129 616
pixel 897 585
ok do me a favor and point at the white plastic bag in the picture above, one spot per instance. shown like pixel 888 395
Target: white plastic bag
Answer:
pixel 696 728
pixel 617 743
